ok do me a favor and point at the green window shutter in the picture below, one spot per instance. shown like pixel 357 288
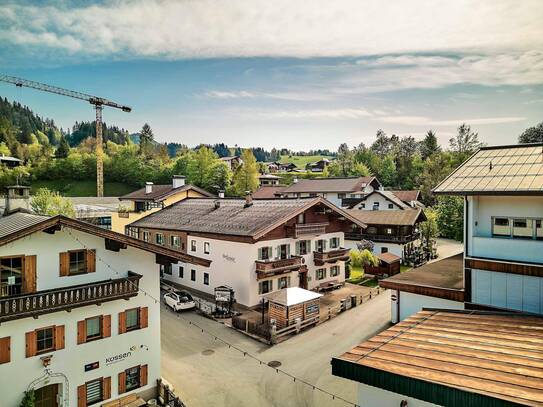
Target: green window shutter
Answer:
pixel 260 253
pixel 308 246
pixel 297 248
pixel 288 251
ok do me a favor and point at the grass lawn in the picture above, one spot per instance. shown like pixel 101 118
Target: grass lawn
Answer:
pixel 405 268
pixel 301 161
pixel 82 188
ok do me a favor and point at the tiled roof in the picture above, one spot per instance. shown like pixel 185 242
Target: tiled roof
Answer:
pixel 407 196
pixel 18 221
pixel 330 185
pixel 161 192
pixel 460 358
pixel 230 216
pixel 446 273
pixel 268 191
pixel 389 257
pixel 516 169
pixel 407 217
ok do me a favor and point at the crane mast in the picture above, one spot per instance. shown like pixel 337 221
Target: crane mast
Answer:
pixel 98 104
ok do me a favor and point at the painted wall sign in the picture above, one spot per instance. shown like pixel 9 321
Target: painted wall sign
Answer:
pixel 312 308
pixel 117 358
pixel 92 366
pixel 229 258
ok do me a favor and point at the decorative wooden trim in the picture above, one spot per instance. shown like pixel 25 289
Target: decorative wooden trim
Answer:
pixel 501 266
pixel 437 292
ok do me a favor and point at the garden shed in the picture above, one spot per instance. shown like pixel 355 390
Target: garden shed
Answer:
pixel 288 304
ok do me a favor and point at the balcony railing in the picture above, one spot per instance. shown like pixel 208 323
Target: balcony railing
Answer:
pixel 267 268
pixel 382 238
pixel 59 299
pixel 331 256
pixel 305 229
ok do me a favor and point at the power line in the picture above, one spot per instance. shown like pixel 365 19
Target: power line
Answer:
pixel 217 338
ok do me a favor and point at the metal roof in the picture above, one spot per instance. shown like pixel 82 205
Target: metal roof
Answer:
pixel 18 221
pixel 515 169
pixel 454 358
pixel 292 296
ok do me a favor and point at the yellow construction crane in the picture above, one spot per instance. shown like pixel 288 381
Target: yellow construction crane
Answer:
pixel 98 103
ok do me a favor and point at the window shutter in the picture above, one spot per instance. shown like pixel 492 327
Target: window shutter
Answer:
pixel 144 317
pixel 91 261
pixel 122 383
pixel 29 280
pixel 288 250
pixel 30 344
pixel 106 326
pixel 64 264
pixel 297 248
pixel 106 388
pixel 260 287
pixel 5 349
pixel 59 337
pixel 122 322
pixel 82 395
pixel 308 243
pixel 81 332
pixel 143 375
pixel 260 253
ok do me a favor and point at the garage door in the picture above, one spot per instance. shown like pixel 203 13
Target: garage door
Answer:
pixel 504 290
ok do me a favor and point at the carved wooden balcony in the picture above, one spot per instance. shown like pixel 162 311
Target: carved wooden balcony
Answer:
pixel 267 268
pixel 66 298
pixel 331 256
pixel 308 229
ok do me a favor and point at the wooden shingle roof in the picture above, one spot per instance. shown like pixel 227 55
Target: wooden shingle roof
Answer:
pixel 454 358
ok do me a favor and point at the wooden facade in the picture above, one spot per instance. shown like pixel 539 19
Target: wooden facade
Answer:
pixel 504 267
pixel 286 315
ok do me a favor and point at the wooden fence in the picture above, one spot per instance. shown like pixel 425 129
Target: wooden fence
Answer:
pixel 166 396
pixel 252 327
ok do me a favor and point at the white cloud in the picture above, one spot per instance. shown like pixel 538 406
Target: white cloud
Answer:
pixel 340 113
pixel 209 28
pixel 243 94
pixel 426 121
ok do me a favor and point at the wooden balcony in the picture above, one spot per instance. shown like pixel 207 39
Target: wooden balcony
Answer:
pixel 66 298
pixel 308 229
pixel 383 238
pixel 331 256
pixel 268 268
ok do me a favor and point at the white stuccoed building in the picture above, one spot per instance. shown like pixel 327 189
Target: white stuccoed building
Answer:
pixel 72 329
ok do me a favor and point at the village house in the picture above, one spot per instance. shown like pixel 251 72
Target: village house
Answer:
pixel 152 198
pixel 390 231
pixel 277 166
pixel 334 190
pixel 232 161
pixel 79 320
pixel 379 200
pixel 318 166
pixel 256 246
pixel 482 354
pixel 268 179
pixel 10 162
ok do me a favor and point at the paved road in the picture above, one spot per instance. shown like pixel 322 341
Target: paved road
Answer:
pixel 227 378
pixel 448 248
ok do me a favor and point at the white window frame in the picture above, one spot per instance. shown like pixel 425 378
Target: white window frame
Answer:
pixel 193 246
pixel 207 249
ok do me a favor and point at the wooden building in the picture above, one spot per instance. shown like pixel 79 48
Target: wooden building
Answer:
pixel 389 265
pixel 289 304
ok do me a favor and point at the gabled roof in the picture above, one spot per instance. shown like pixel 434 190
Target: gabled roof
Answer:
pixel 268 176
pixel 19 225
pixel 500 170
pixel 292 296
pixel 161 192
pixel 388 257
pixel 269 191
pixel 407 196
pixel 231 216
pixel 400 217
pixel 316 185
pixel 389 196
pixel 230 158
pixel 454 358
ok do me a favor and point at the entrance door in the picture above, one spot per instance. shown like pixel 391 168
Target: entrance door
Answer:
pixel 46 396
pixel 303 280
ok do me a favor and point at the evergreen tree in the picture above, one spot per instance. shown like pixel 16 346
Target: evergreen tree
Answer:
pixel 532 135
pixel 63 148
pixel 146 139
pixel 429 145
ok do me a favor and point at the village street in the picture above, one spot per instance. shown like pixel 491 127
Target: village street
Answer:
pixel 205 372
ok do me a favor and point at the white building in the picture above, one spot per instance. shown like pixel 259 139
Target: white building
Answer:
pixel 484 354
pixel 342 192
pixel 256 246
pixel 76 326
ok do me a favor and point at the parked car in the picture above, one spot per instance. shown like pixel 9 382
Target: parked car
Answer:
pixel 179 300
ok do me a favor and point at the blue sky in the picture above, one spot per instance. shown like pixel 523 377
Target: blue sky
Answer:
pixel 257 73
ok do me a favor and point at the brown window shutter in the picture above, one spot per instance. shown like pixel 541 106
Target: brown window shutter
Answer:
pixel 64 264
pixel 143 375
pixel 122 322
pixel 122 383
pixel 5 350
pixel 106 326
pixel 29 279
pixel 106 388
pixel 31 344
pixel 82 395
pixel 81 332
pixel 144 317
pixel 91 261
pixel 59 337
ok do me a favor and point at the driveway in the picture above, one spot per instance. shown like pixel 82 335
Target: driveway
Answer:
pixel 205 372
pixel 448 248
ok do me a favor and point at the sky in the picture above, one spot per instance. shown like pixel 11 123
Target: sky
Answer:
pixel 286 73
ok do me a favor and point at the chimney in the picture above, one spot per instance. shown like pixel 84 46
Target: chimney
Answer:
pixel 148 187
pixel 248 199
pixel 17 197
pixel 221 193
pixel 217 204
pixel 178 181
